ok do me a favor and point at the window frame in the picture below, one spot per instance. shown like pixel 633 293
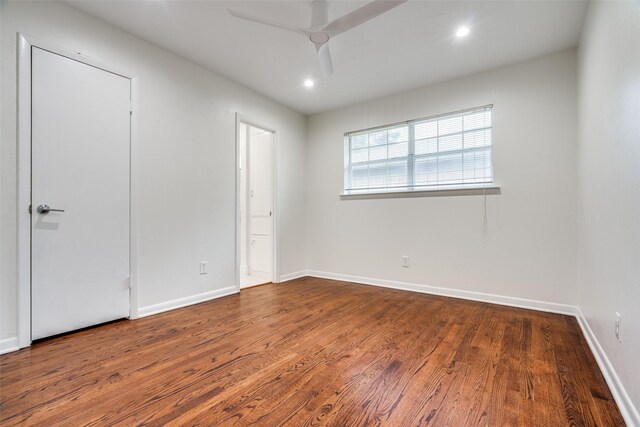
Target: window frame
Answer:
pixel 410 188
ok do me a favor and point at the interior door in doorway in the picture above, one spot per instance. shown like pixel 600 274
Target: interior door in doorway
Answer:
pixel 260 204
pixel 80 152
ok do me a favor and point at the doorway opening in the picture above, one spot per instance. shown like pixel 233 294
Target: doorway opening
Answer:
pixel 256 205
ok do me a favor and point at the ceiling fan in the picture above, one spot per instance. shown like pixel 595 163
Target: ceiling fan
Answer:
pixel 320 32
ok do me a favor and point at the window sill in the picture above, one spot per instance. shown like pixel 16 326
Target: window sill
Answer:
pixel 436 192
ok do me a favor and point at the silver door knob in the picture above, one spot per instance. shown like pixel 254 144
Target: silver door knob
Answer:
pixel 45 209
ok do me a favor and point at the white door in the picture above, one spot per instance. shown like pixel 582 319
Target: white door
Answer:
pixel 261 205
pixel 80 164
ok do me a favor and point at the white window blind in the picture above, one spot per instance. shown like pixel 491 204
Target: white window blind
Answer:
pixel 447 150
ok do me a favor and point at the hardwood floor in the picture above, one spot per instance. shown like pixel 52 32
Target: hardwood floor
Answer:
pixel 314 352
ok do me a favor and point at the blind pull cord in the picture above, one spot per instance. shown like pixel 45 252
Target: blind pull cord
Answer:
pixel 484 196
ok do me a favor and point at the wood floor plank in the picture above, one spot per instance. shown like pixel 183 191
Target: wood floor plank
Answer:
pixel 314 352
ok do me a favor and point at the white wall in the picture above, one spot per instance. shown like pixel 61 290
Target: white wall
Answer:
pixel 529 250
pixel 187 157
pixel 609 183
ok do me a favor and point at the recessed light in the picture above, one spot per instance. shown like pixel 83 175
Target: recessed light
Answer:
pixel 308 83
pixel 463 31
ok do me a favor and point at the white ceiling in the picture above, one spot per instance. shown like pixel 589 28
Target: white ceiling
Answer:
pixel 409 46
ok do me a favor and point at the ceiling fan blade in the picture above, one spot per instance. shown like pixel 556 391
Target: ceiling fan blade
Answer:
pixel 360 15
pixel 269 22
pixel 319 13
pixel 324 56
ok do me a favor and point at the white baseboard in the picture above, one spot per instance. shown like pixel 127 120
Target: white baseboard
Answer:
pixel 183 302
pixel 550 307
pixel 292 276
pixel 8 345
pixel 627 409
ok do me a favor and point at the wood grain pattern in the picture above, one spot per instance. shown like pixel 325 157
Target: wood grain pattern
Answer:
pixel 314 352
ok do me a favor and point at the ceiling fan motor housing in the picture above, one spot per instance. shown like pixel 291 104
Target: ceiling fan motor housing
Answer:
pixel 319 38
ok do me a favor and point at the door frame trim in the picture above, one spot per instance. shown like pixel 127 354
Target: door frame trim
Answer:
pixel 275 273
pixel 24 46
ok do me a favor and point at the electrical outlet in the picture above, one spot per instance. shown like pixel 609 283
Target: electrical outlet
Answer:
pixel 617 325
pixel 203 267
pixel 405 261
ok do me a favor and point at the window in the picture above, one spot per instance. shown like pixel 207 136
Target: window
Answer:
pixel 439 152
